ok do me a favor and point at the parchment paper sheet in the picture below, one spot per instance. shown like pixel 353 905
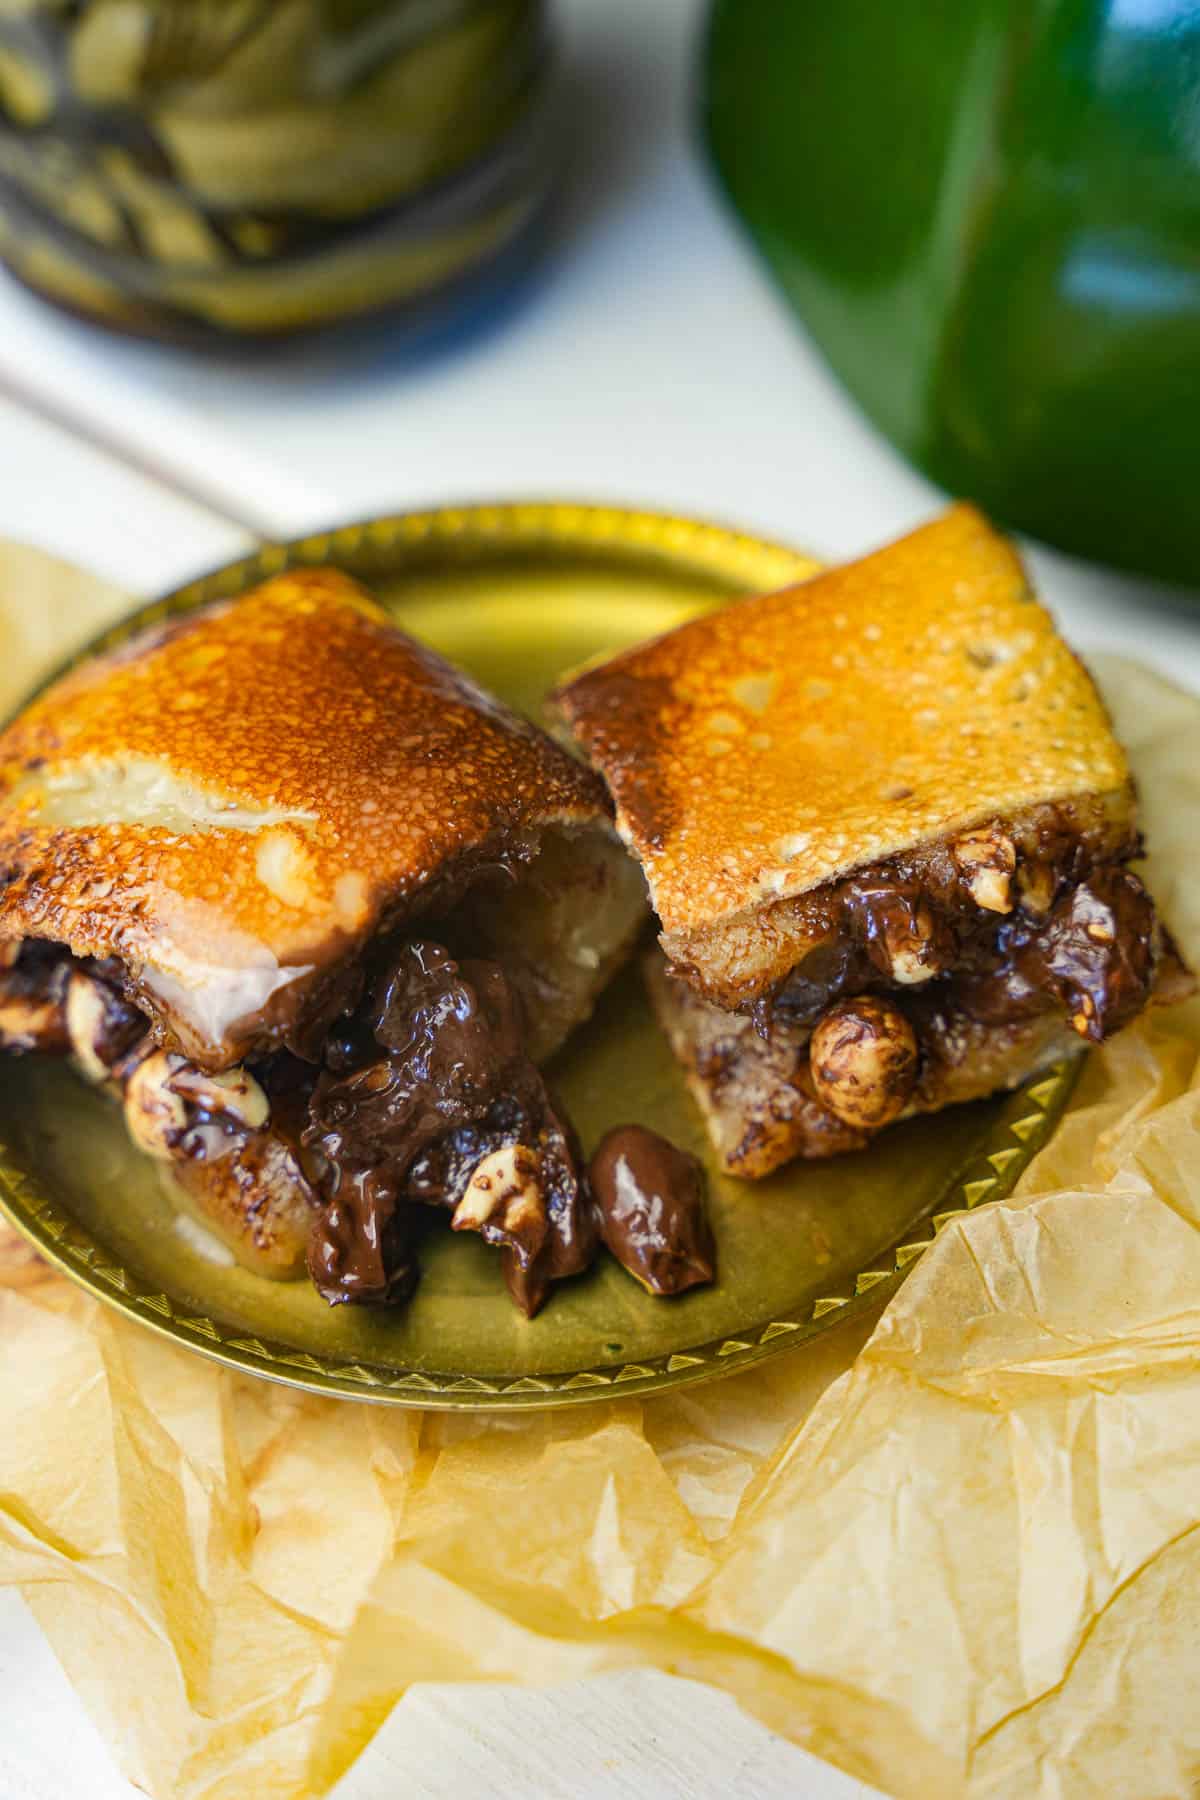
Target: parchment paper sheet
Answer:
pixel 961 1560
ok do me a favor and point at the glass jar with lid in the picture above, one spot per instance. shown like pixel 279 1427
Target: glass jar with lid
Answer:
pixel 224 169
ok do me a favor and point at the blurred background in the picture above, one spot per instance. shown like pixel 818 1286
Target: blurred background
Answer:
pixel 780 264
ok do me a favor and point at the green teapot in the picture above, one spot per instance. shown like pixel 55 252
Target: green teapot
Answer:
pixel 987 213
pixel 250 168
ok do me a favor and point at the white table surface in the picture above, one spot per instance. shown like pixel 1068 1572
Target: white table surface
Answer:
pixel 650 362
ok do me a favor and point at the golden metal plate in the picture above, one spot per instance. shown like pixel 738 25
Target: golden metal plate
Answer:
pixel 517 594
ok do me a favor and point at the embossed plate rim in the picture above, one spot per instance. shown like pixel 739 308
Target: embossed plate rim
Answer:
pixel 991 1173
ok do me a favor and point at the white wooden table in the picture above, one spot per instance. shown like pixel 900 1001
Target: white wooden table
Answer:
pixel 651 362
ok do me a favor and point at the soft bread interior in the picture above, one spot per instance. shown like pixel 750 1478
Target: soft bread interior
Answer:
pixel 560 926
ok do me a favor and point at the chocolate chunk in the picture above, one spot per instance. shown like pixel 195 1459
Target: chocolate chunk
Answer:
pixel 361 1247
pixel 649 1199
pixel 1095 955
pixel 1101 950
pixel 425 1081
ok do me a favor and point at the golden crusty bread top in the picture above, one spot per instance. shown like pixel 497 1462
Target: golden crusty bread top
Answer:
pixel 765 748
pixel 231 802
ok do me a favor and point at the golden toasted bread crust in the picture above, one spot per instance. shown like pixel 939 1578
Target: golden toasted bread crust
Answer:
pixel 233 802
pixel 766 748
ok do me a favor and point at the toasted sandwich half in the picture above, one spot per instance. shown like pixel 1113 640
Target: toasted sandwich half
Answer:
pixel 315 908
pixel 887 830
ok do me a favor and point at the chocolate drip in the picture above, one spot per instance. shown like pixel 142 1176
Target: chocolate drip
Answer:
pixel 564 1242
pixel 649 1200
pixel 362 1242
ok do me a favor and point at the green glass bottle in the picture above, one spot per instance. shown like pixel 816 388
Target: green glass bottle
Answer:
pixel 987 212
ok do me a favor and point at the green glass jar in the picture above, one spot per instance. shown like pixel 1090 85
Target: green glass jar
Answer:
pixel 987 212
pixel 206 169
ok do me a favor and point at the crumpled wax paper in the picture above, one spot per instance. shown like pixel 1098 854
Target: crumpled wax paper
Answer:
pixel 960 1558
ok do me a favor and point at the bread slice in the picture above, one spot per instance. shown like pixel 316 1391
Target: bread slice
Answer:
pixel 762 751
pixel 237 802
pixel 886 828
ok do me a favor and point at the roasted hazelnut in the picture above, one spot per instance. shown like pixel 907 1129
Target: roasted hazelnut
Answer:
pixel 863 1060
pixel 912 954
pixel 85 1025
pixel 156 1116
pixel 167 1099
pixel 1083 1018
pixel 504 1200
pixel 900 932
pixel 233 1094
pixel 255 1200
pixel 987 860
pixel 1037 886
pixel 101 1025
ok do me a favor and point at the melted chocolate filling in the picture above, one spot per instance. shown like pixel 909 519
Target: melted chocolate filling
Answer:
pixel 36 984
pixel 649 1200
pixel 421 1077
pixel 122 1026
pixel 1093 952
pixel 426 1077
pixel 422 1072
pixel 1094 956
